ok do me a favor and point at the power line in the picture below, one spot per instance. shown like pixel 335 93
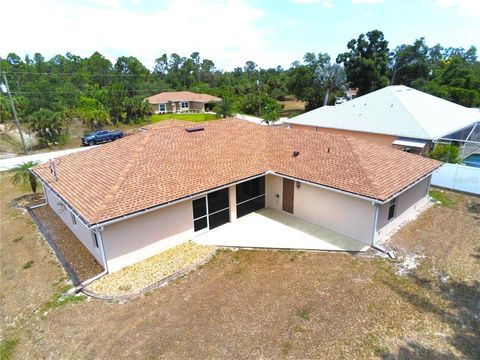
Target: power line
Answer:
pixel 81 74
pixel 83 91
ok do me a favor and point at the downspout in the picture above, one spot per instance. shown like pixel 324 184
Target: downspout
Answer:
pixel 375 246
pixel 375 221
pixel 46 200
pixel 80 287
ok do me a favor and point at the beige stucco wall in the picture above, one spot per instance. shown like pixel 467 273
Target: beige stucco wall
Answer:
pixel 82 232
pixel 341 213
pixel 379 139
pixel 198 106
pixel 273 187
pixel 407 204
pixel 232 202
pixel 141 237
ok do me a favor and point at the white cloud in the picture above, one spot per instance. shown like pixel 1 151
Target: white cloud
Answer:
pixel 461 7
pixel 325 3
pixel 225 31
pixel 366 1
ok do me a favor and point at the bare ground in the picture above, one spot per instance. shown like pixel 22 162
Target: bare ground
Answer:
pixel 276 304
pixel 22 290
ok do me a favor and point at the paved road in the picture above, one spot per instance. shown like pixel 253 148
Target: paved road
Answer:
pixel 7 164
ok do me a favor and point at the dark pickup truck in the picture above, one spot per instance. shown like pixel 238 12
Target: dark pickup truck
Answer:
pixel 101 136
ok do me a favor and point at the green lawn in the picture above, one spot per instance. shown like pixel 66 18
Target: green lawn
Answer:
pixel 441 197
pixel 185 117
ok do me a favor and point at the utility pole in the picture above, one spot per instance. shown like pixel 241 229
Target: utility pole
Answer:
pixel 14 112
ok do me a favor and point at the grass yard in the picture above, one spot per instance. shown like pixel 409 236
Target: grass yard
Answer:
pixel 259 304
pixel 291 107
pixel 186 117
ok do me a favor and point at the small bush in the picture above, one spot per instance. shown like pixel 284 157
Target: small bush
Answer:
pixel 17 239
pixel 287 346
pixel 303 313
pixel 446 153
pixel 28 264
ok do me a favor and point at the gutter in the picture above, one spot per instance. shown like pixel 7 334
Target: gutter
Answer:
pixel 376 201
pixel 169 203
pixel 409 186
pixel 192 196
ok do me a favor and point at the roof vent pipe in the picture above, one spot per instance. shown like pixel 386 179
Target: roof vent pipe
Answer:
pixel 296 153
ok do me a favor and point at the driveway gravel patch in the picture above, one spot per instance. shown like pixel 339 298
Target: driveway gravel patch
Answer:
pixel 135 278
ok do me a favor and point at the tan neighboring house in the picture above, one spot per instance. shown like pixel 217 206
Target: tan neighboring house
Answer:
pixel 182 101
pixel 395 116
pixel 132 198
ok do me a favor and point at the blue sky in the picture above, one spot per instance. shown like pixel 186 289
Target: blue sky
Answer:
pixel 230 32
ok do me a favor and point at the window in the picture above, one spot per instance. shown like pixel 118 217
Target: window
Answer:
pixel 250 189
pixel 218 200
pixel 74 219
pixel 392 208
pixel 95 240
pixel 184 104
pixel 200 221
pixel 211 211
pixel 250 196
pixel 162 108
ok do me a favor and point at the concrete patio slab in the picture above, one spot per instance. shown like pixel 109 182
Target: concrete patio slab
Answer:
pixel 270 228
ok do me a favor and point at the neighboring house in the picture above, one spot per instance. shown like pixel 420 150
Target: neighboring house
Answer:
pixel 182 101
pixel 396 116
pixel 132 198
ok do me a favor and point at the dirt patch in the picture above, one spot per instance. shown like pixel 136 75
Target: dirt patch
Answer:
pixel 82 262
pixel 448 235
pixel 137 277
pixel 22 289
pixel 276 304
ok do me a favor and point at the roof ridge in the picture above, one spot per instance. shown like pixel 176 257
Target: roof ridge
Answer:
pixel 406 109
pixel 121 179
pixel 373 188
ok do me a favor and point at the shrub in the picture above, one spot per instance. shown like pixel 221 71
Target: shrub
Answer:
pixel 446 153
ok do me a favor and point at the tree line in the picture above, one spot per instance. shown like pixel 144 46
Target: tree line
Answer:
pixel 49 93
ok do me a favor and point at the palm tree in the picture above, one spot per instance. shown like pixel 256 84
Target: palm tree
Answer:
pixel 333 77
pixel 23 175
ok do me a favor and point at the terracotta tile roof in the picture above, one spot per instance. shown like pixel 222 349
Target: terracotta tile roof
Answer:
pixel 170 96
pixel 165 163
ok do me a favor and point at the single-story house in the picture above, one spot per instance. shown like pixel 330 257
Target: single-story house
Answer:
pixel 182 101
pixel 397 116
pixel 132 198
